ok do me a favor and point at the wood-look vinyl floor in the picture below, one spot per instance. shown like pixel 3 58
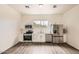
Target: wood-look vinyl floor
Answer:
pixel 41 48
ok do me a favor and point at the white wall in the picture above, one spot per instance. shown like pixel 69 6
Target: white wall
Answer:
pixel 9 27
pixel 71 20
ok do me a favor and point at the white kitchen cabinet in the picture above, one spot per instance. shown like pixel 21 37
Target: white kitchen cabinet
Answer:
pixel 38 37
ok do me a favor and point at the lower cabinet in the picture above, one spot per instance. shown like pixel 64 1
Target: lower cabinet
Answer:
pixel 48 37
pixel 58 39
pixel 54 39
pixel 38 38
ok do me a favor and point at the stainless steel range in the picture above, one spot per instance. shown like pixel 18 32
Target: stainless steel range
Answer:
pixel 28 35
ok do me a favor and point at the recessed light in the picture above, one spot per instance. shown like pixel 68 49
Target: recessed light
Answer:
pixel 27 6
pixel 40 5
pixel 54 6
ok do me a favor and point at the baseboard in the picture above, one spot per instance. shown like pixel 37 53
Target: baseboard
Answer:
pixel 1 52
pixel 72 46
pixel 46 43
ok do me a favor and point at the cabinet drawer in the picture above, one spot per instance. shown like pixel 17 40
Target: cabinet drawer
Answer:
pixel 58 40
pixel 55 39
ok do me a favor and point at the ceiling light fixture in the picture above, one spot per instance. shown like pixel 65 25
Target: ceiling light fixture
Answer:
pixel 54 6
pixel 40 5
pixel 27 6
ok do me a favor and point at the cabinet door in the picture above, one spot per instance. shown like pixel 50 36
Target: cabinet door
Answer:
pixel 42 38
pixel 48 37
pixel 35 37
pixel 56 40
pixel 61 39
pixel 38 38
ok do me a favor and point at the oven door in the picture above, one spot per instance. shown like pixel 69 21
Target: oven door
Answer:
pixel 27 37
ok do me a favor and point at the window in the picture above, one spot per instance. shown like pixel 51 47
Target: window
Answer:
pixel 41 22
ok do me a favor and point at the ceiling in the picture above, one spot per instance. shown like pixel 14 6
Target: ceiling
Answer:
pixel 42 8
